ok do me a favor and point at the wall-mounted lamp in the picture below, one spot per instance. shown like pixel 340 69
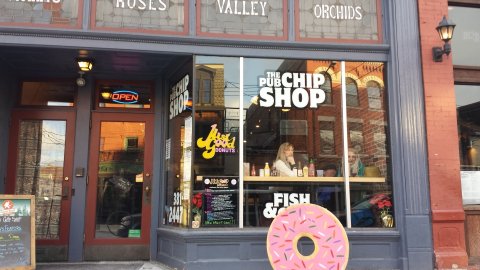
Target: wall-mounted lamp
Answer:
pixel 85 64
pixel 445 30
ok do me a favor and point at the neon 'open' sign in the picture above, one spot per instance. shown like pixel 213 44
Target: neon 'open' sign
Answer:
pixel 125 97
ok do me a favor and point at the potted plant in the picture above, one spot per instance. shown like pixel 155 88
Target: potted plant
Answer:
pixel 382 204
pixel 197 202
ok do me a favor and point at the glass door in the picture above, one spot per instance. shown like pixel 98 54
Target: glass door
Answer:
pixel 118 192
pixel 40 164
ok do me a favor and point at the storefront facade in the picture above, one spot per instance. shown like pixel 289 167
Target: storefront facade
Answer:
pixel 153 158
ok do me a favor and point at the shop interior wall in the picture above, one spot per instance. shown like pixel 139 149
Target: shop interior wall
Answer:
pixel 8 90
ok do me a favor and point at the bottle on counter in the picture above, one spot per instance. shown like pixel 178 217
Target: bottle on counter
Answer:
pixel 253 171
pixel 294 169
pixel 274 171
pixel 305 171
pixel 300 170
pixel 311 169
pixel 267 169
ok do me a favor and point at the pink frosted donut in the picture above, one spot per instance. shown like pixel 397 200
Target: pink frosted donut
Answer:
pixel 331 248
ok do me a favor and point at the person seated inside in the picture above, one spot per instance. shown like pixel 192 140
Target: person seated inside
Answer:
pixel 285 162
pixel 356 166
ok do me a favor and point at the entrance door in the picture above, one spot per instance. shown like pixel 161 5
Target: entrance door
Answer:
pixel 118 193
pixel 40 164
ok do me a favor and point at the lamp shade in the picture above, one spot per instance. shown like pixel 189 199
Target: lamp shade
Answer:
pixel 445 29
pixel 85 64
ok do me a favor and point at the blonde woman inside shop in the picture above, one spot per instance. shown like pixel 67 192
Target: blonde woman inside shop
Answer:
pixel 284 162
pixel 356 166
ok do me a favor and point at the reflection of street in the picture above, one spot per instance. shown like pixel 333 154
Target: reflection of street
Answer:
pixel 120 179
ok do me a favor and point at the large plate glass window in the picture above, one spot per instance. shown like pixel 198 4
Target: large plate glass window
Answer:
pixel 294 122
pixel 269 133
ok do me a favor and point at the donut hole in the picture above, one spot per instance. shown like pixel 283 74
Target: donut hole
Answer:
pixel 305 246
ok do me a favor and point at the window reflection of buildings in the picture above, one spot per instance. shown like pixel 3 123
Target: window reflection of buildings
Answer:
pixel 210 109
pixel 323 138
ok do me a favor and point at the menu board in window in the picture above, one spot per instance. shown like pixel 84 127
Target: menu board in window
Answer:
pixel 17 232
pixel 220 201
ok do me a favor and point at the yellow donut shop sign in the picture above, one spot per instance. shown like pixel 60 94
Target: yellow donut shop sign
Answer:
pixel 216 142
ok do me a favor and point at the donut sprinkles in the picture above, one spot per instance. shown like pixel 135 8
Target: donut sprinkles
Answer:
pixel 330 241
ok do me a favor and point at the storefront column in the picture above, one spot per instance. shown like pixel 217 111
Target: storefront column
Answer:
pixel 443 158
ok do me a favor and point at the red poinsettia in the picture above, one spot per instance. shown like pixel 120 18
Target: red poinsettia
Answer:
pixel 382 202
pixel 197 203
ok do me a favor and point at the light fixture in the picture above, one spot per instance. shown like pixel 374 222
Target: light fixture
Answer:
pixel 85 64
pixel 105 94
pixel 445 30
pixel 80 80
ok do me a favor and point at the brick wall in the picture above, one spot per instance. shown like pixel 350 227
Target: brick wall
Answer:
pixel 442 143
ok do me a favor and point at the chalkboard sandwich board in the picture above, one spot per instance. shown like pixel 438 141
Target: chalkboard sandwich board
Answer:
pixel 17 232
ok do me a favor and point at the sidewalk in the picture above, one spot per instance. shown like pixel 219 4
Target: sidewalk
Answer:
pixel 134 265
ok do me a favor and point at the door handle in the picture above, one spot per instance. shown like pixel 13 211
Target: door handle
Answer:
pixel 65 193
pixel 147 187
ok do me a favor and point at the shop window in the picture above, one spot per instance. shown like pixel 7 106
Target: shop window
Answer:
pixel 50 94
pixel 374 92
pixel 203 86
pixel 237 144
pixel 352 93
pixel 468 115
pixel 467 33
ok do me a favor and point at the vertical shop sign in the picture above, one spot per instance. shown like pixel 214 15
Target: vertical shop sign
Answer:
pixel 179 97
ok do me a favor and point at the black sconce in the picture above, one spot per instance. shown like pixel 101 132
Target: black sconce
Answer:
pixel 445 30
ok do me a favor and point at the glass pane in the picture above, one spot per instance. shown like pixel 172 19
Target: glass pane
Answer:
pixel 44 13
pixel 468 111
pixel 374 92
pixel 350 20
pixel 368 152
pixel 47 94
pixel 161 15
pixel 352 92
pixel 216 142
pixel 291 127
pixel 41 150
pixel 262 18
pixel 120 179
pixel 466 38
pixel 123 95
pixel 178 147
